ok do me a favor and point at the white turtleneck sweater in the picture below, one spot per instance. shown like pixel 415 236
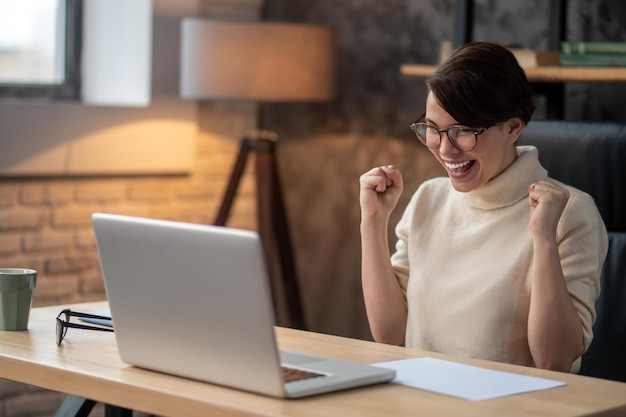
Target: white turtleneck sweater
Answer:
pixel 464 262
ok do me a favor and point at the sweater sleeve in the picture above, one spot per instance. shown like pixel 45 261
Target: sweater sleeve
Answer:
pixel 400 258
pixel 583 244
pixel 427 198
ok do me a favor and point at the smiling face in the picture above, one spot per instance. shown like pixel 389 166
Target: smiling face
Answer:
pixel 494 152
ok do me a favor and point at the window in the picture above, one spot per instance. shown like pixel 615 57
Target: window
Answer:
pixel 39 49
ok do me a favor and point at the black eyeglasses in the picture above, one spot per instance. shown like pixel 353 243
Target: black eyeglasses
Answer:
pixel 461 137
pixel 63 323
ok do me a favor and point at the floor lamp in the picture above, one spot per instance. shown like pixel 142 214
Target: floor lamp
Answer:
pixel 260 62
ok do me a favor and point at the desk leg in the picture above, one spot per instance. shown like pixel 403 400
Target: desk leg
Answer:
pixel 74 406
pixel 114 411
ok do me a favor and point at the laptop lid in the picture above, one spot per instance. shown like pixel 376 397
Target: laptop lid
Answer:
pixel 194 301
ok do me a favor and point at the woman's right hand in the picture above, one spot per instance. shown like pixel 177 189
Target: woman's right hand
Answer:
pixel 381 188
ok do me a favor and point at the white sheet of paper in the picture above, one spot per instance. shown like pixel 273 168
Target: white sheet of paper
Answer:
pixel 463 381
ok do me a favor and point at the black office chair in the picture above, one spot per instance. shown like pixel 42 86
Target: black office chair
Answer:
pixel 592 157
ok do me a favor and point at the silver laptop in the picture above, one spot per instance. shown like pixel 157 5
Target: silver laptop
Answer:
pixel 194 301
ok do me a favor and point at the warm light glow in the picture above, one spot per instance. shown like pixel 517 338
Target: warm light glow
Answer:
pixel 257 61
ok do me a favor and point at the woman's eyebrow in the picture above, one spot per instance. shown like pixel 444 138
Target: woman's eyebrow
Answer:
pixel 426 119
pixel 431 121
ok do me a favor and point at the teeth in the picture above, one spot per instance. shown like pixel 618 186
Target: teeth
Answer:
pixel 456 166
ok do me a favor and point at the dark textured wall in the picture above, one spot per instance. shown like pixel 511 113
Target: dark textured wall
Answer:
pixel 326 146
pixel 377 36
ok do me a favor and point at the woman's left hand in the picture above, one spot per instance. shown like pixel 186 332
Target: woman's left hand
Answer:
pixel 547 202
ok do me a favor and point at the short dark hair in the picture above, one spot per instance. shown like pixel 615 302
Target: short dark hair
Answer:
pixel 482 84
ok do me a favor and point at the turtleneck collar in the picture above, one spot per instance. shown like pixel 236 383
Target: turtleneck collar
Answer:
pixel 511 185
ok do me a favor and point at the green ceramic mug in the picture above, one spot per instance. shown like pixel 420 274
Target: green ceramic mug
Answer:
pixel 16 296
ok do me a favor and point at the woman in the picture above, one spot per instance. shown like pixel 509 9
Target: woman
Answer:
pixel 497 261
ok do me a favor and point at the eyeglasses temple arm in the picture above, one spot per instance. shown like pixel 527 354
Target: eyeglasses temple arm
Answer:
pixel 85 327
pixel 88 316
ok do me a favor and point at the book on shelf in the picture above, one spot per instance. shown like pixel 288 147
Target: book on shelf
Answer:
pixel 591 47
pixel 529 58
pixel 593 60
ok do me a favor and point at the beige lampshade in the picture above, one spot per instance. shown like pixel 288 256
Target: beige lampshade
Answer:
pixel 257 61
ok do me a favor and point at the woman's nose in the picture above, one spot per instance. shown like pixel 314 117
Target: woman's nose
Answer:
pixel 446 147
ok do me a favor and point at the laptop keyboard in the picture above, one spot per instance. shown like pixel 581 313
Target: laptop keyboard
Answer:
pixel 293 374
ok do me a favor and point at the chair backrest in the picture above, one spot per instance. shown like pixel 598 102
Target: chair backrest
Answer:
pixel 590 156
pixel 606 357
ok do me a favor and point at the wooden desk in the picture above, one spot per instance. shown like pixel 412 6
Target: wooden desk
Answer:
pixel 87 365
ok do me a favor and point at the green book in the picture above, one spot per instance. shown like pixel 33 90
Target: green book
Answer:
pixel 593 60
pixel 593 48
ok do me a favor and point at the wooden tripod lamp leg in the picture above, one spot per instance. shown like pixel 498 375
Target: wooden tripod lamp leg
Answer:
pixel 274 231
pixel 272 224
pixel 233 183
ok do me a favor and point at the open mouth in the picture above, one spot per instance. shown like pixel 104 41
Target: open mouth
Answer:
pixel 459 169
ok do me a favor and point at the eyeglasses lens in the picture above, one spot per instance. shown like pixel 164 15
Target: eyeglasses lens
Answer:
pixel 61 329
pixel 461 137
pixel 426 135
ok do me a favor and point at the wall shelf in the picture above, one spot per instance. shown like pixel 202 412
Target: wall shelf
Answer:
pixel 542 74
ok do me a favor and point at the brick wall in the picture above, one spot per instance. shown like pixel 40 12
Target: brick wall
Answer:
pixel 45 223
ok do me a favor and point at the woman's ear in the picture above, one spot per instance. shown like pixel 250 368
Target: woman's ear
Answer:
pixel 514 127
